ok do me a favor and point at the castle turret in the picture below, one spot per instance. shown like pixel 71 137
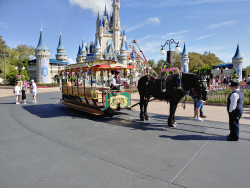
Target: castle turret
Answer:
pixel 123 56
pixel 237 61
pixel 184 60
pixel 116 24
pixel 42 54
pixel 83 52
pixel 100 32
pixel 97 49
pixel 98 21
pixel 61 51
pixel 78 54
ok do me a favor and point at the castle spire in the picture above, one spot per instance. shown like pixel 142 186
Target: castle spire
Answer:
pixel 237 53
pixel 123 47
pixel 184 53
pixel 60 44
pixel 41 44
pixel 79 50
pixel 97 44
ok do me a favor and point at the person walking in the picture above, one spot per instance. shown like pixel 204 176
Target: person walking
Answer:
pixel 24 95
pixel 235 110
pixel 17 92
pixel 33 90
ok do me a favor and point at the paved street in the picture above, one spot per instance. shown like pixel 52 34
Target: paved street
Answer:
pixel 50 145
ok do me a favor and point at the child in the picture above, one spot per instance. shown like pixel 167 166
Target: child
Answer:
pixel 23 95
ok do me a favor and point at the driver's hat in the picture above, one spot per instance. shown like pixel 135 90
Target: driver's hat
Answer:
pixel 235 83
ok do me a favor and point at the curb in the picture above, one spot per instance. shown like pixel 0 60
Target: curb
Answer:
pixel 215 104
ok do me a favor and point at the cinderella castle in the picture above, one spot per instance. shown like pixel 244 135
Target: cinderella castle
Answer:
pixel 110 40
pixel 110 43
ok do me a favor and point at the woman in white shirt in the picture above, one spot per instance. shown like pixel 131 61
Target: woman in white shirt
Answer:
pixel 17 92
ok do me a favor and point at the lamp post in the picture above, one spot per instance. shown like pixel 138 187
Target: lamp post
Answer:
pixel 3 55
pixel 170 53
pixel 20 69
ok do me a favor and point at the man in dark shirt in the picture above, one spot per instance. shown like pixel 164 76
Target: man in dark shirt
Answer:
pixel 208 82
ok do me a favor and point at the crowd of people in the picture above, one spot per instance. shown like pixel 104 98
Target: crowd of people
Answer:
pixel 20 91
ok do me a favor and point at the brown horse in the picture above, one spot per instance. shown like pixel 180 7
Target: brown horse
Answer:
pixel 176 87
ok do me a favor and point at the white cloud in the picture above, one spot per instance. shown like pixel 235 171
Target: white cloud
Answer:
pixel 71 61
pixel 175 34
pixel 203 37
pixel 4 25
pixel 221 24
pixel 154 21
pixel 92 5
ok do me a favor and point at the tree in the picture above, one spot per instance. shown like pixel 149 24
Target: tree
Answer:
pixel 159 65
pixel 151 62
pixel 13 72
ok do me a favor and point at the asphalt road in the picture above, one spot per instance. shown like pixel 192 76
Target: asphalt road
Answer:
pixel 50 145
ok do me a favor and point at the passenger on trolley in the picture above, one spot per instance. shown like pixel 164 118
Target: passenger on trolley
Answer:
pixel 116 81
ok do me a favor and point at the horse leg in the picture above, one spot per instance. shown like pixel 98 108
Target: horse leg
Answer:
pixel 171 114
pixel 141 107
pixel 145 108
pixel 175 107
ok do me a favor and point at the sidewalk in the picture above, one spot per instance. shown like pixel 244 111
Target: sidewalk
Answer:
pixel 9 92
pixel 213 113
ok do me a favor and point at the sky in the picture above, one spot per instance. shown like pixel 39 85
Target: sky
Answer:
pixel 205 25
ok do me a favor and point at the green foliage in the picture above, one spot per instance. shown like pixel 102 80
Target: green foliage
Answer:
pixel 11 76
pixel 235 74
pixel 196 60
pixel 159 65
pixel 18 57
pixel 152 64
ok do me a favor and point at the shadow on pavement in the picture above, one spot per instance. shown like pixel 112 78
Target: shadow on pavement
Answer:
pixel 194 137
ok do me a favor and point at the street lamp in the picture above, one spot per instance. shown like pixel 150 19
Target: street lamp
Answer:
pixel 3 55
pixel 20 70
pixel 170 53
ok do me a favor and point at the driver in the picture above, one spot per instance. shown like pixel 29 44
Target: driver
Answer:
pixel 116 81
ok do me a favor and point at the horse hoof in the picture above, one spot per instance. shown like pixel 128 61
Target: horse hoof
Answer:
pixel 142 119
pixel 147 118
pixel 173 125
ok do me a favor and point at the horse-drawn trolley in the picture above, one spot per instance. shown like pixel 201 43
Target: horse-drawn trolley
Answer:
pixel 87 86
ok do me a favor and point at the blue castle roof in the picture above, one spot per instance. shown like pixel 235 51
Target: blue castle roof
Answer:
pixel 41 44
pixel 184 50
pixel 83 48
pixel 124 33
pixel 237 53
pixel 79 50
pixel 97 44
pixel 60 44
pixel 123 47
